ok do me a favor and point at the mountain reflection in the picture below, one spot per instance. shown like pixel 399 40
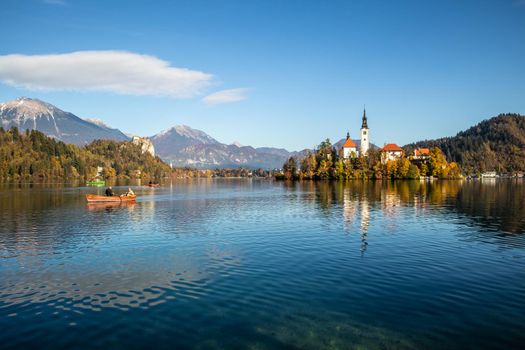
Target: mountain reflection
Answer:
pixel 496 207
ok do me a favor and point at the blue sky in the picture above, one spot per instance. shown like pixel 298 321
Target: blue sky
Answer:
pixel 270 73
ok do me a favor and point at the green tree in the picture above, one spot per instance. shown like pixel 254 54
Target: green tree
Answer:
pixel 323 171
pixel 402 167
pixel 290 168
pixel 309 166
pixel 413 172
pixel 339 171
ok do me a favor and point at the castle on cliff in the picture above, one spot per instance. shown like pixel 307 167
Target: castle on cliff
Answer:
pixel 145 144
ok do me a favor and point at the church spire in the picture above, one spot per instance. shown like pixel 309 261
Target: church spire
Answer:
pixel 365 123
pixel 365 137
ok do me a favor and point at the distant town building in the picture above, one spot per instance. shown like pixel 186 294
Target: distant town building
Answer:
pixel 365 135
pixel 422 153
pixel 390 151
pixel 349 148
pixel 489 174
pixel 145 144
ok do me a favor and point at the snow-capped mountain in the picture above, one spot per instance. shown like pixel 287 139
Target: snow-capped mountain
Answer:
pixel 180 136
pixel 180 145
pixel 26 113
pixel 98 122
pixel 184 146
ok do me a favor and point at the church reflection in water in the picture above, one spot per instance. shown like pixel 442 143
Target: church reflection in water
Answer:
pixel 497 207
pixel 355 209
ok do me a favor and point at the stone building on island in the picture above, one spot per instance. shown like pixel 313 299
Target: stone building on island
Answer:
pixel 390 151
pixel 350 149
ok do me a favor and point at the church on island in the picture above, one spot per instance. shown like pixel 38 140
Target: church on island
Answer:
pixel 349 149
pixel 390 151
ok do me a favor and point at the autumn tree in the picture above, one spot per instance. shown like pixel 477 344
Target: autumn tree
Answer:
pixel 290 168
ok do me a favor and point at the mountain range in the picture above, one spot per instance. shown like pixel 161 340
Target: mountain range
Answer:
pixel 181 145
pixel 494 144
pixel 184 146
pixel 26 113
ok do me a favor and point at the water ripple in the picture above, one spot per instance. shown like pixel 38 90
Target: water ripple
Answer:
pixel 241 263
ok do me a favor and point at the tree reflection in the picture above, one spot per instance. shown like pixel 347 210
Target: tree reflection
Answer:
pixel 498 206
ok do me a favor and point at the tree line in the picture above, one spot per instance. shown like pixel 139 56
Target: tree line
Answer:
pixel 220 172
pixel 325 163
pixel 497 144
pixel 31 155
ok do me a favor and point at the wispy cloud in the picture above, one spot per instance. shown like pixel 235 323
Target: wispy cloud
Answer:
pixel 119 72
pixel 226 96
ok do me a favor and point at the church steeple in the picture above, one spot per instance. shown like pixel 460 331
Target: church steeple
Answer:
pixel 365 122
pixel 365 137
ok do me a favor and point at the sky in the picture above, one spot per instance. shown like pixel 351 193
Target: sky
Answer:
pixel 270 73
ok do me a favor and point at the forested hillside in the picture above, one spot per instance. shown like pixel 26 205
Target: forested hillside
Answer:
pixel 495 144
pixel 31 155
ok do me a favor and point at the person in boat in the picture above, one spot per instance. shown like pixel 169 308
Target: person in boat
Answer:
pixel 109 192
pixel 130 192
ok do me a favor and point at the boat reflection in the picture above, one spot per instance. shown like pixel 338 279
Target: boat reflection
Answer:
pixel 110 206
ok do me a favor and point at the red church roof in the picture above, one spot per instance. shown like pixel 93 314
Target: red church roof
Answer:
pixel 391 147
pixel 422 152
pixel 349 144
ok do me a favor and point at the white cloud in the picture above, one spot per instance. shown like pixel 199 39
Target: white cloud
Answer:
pixel 226 96
pixel 113 71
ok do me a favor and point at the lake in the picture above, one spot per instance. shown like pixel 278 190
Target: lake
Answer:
pixel 259 264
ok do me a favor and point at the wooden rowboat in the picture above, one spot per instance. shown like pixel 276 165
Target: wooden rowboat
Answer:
pixel 153 185
pixel 93 198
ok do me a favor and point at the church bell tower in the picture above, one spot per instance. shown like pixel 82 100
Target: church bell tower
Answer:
pixel 365 136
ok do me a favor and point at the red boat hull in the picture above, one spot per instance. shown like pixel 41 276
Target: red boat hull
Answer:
pixel 93 198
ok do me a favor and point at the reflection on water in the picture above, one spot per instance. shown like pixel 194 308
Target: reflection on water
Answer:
pixel 497 207
pixel 109 207
pixel 260 264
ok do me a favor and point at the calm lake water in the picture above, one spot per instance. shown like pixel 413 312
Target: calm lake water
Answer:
pixel 257 264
